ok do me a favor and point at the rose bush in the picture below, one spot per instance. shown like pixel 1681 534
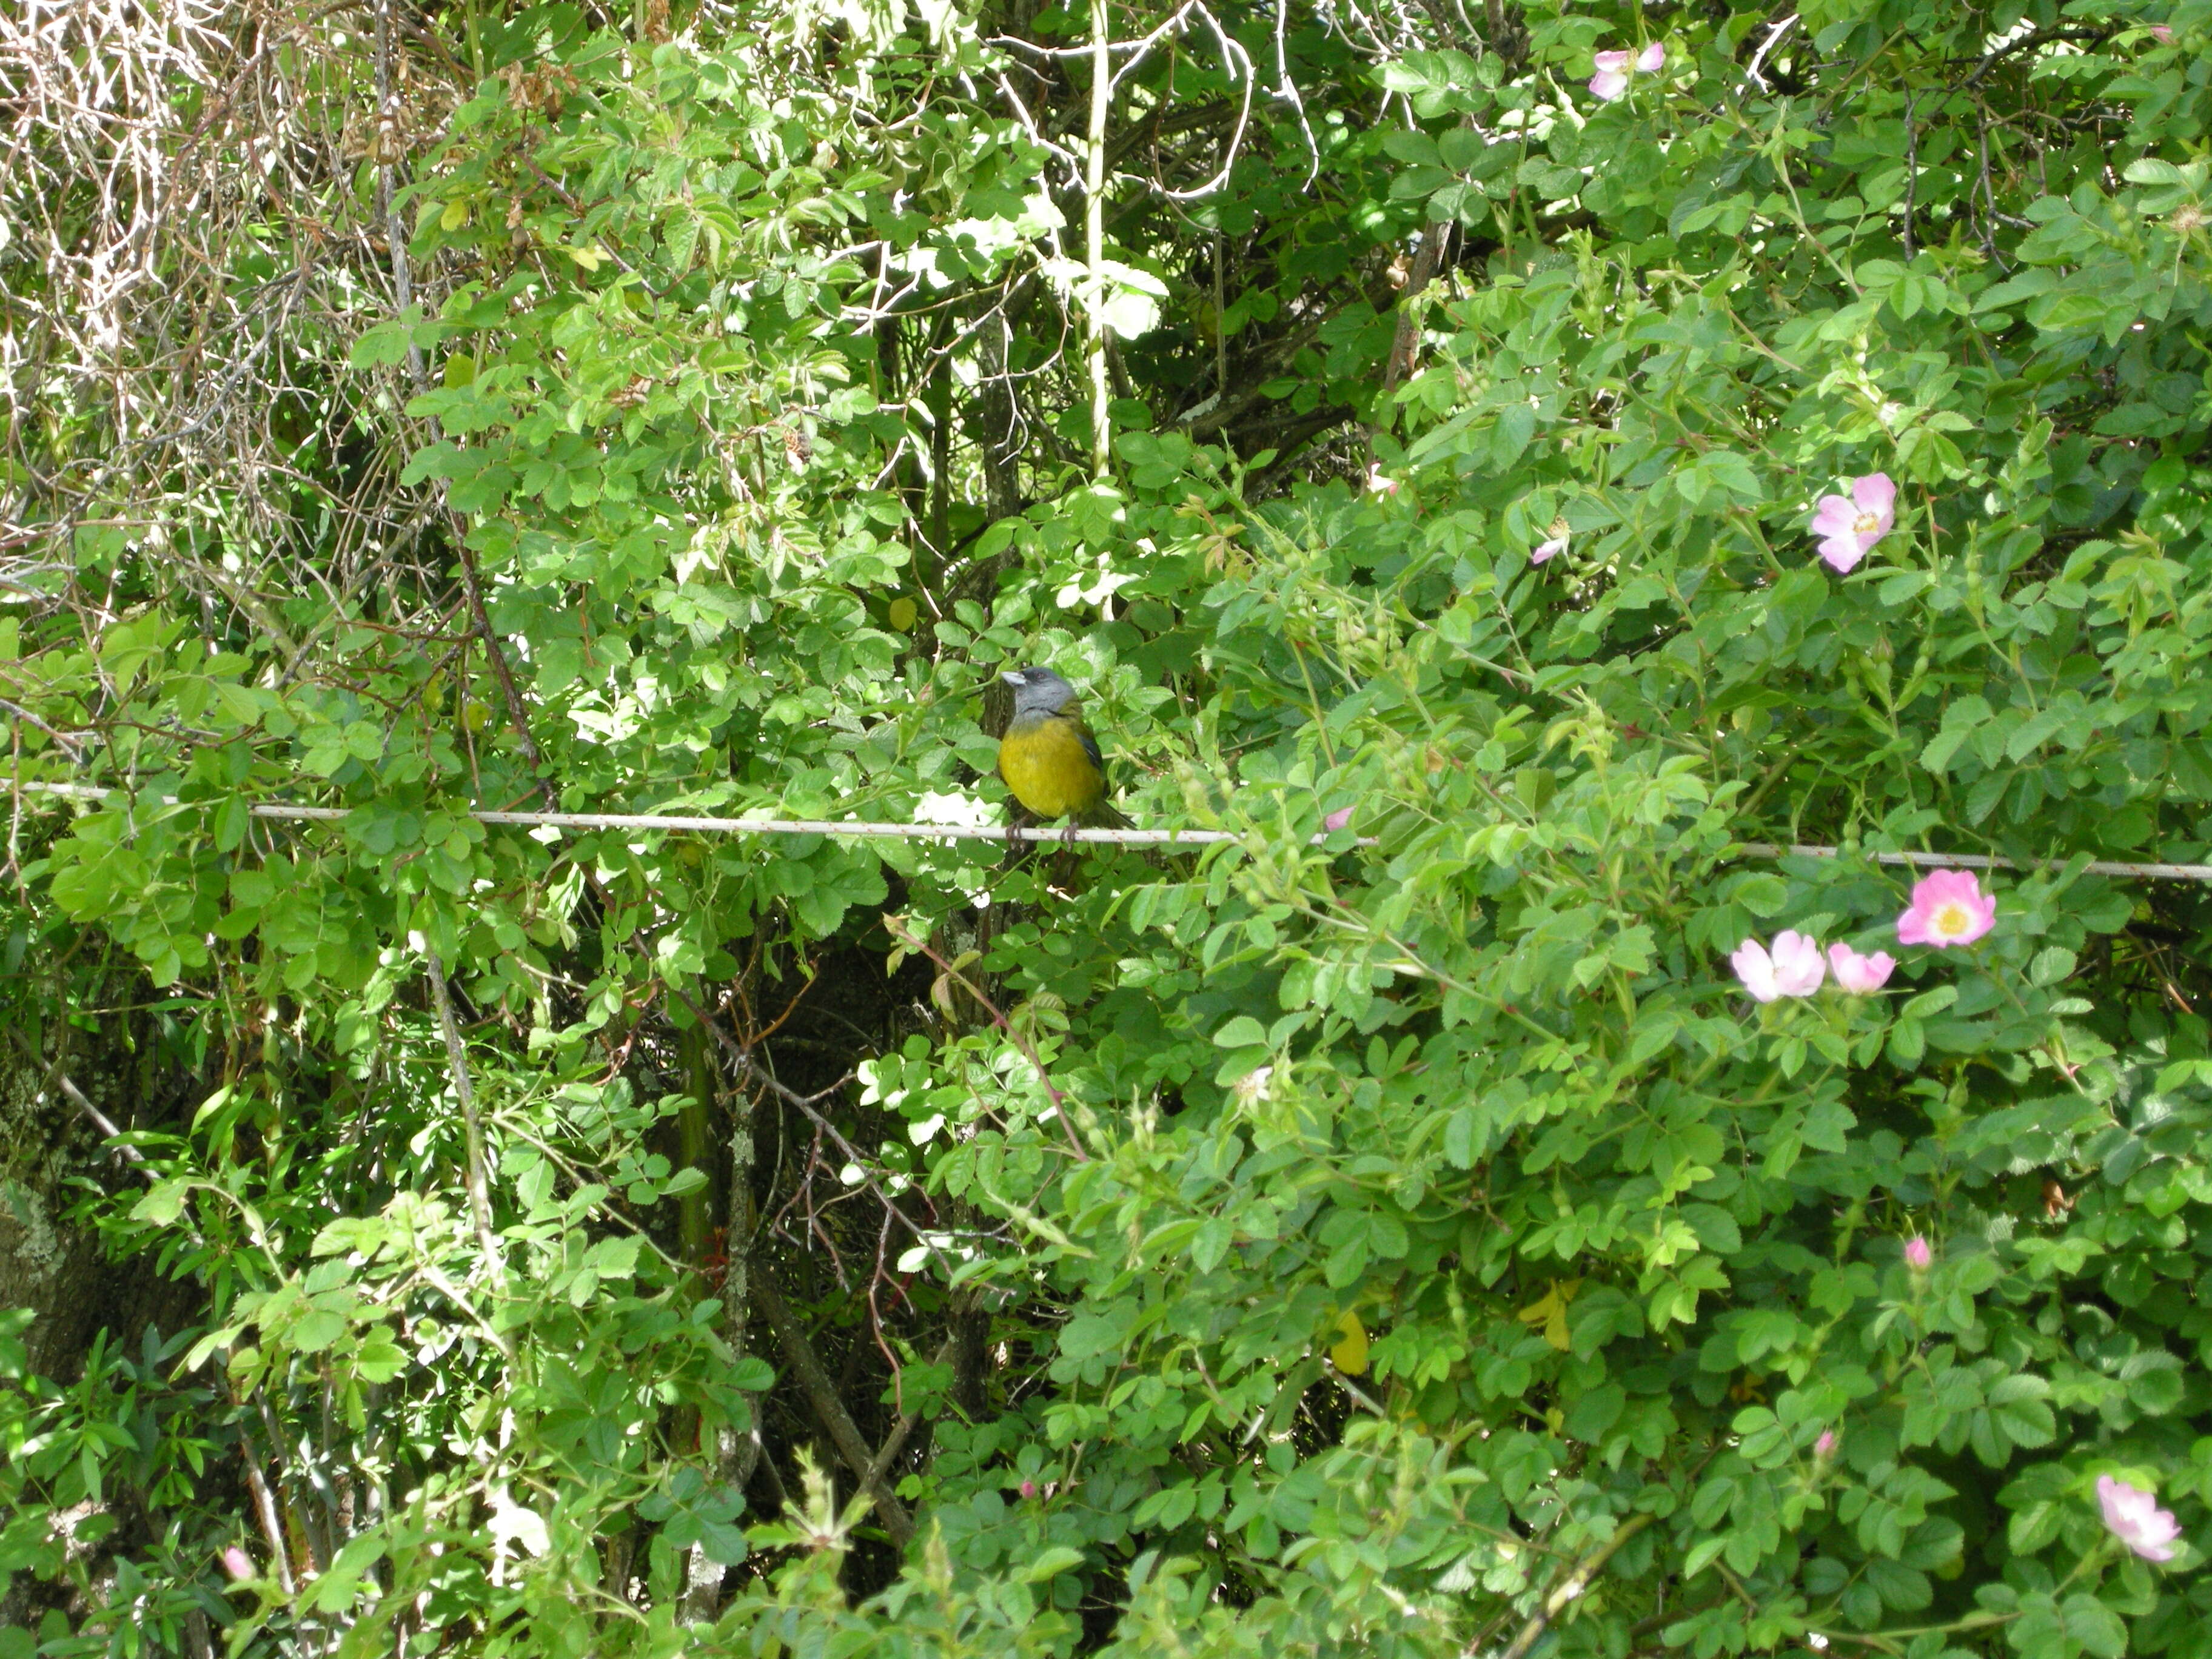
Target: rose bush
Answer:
pixel 1394 1230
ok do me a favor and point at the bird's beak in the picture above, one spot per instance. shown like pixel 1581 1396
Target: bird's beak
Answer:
pixel 1013 677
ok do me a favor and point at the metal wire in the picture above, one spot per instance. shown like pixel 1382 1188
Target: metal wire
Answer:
pixel 1750 849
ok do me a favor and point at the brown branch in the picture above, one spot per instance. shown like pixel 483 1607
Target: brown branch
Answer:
pixel 1217 412
pixel 264 1503
pixel 456 1056
pixel 822 1395
pixel 741 1057
pixel 895 1442
pixel 517 716
pixel 1405 344
pixel 2029 43
pixel 77 1098
pixel 1571 1586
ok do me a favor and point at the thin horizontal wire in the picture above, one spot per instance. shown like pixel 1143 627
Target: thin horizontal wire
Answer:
pixel 1750 849
pixel 1761 849
pixel 812 827
pixel 746 826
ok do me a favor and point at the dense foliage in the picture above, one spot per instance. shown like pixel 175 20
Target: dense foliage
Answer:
pixel 1398 1230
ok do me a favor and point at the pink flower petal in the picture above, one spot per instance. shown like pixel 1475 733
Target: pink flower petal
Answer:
pixel 1918 1254
pixel 1652 58
pixel 1798 966
pixel 1857 974
pixel 1842 553
pixel 1608 84
pixel 1612 61
pixel 1876 492
pixel 1948 907
pixel 1849 526
pixel 1338 819
pixel 1550 549
pixel 2134 1517
pixel 1755 969
pixel 1834 516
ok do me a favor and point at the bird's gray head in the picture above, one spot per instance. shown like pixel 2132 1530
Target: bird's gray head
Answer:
pixel 1038 690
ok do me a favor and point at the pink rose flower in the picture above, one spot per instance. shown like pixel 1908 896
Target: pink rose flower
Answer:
pixel 2163 34
pixel 1613 69
pixel 1793 969
pixel 1028 1489
pixel 1918 1255
pixel 1825 1447
pixel 2135 1519
pixel 1380 483
pixel 237 1564
pixel 1849 528
pixel 1948 907
pixel 1337 819
pixel 1859 975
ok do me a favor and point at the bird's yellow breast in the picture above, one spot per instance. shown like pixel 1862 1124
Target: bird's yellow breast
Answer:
pixel 1045 765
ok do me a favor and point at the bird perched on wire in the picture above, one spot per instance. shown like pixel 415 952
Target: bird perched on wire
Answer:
pixel 1047 757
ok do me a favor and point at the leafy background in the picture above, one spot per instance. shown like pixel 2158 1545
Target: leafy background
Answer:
pixel 1393 1232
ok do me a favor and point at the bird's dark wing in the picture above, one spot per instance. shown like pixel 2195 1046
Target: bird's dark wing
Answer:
pixel 1102 815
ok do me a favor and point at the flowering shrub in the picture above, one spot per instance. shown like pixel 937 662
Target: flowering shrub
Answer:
pixel 1391 1231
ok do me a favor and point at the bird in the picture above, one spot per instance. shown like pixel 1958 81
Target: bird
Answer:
pixel 1048 758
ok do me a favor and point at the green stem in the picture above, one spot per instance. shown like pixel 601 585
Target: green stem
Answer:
pixel 1093 237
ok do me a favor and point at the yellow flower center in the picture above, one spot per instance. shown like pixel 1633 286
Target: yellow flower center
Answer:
pixel 1950 921
pixel 1867 524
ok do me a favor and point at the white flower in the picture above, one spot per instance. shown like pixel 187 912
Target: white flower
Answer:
pixel 1793 969
pixel 1614 68
pixel 2135 1519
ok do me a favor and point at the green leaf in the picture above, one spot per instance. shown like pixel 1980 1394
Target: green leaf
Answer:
pixel 2149 170
pixel 1050 1564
